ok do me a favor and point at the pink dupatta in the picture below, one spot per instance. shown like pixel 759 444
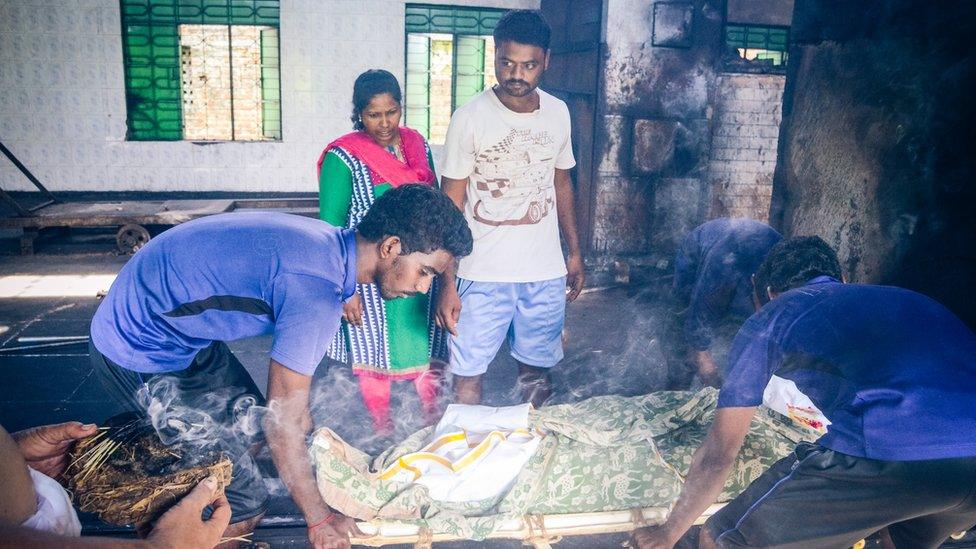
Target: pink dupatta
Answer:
pixel 383 166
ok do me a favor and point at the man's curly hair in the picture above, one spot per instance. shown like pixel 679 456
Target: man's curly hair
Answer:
pixel 424 219
pixel 793 262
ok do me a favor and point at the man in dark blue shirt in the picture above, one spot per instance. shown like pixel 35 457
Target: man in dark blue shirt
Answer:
pixel 892 376
pixel 158 337
pixel 712 279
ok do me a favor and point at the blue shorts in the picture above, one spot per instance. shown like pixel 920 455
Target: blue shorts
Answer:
pixel 530 314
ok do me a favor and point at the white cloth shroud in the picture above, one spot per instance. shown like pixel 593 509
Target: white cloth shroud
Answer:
pixel 476 453
pixel 54 511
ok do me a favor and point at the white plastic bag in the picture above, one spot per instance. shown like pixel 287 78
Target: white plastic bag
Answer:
pixel 54 511
pixel 783 396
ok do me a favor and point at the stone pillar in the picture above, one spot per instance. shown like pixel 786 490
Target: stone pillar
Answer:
pixel 876 150
pixel 651 145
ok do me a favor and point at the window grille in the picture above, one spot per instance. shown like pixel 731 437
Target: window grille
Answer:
pixel 449 60
pixel 759 43
pixel 202 69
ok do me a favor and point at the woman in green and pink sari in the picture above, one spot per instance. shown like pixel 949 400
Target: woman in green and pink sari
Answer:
pixel 382 340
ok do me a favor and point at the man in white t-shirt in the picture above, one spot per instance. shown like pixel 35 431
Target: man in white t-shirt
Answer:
pixel 507 162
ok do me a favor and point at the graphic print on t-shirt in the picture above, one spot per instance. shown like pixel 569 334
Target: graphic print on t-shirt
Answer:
pixel 513 180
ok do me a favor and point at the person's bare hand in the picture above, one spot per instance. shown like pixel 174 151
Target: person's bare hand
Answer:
pixel 707 369
pixel 352 311
pixel 711 379
pixel 651 537
pixel 45 448
pixel 448 309
pixel 182 527
pixel 335 534
pixel 575 276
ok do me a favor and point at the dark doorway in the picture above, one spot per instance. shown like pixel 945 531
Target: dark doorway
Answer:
pixel 574 76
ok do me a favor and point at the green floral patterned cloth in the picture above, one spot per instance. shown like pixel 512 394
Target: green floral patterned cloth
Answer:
pixel 602 454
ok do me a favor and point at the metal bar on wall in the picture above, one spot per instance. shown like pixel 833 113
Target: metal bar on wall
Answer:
pixel 30 176
pixel 230 72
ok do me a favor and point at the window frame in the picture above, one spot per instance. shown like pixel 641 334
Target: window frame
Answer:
pixel 160 62
pixel 737 63
pixel 429 25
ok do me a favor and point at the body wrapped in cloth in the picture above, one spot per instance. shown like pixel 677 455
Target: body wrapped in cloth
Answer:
pixel 603 454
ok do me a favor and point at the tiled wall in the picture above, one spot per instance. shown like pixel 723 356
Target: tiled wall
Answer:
pixel 745 133
pixel 62 97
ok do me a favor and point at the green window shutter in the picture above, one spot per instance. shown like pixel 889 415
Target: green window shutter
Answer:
pixel 221 12
pixel 445 54
pixel 438 19
pixel 270 85
pixel 469 68
pixel 151 55
pixel 152 80
pixel 760 42
pixel 417 100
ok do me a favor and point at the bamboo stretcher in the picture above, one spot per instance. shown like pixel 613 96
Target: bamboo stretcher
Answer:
pixel 539 531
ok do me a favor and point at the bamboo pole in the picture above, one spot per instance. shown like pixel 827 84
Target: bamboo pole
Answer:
pixel 540 530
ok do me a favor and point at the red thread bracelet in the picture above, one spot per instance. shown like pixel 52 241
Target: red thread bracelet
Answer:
pixel 328 518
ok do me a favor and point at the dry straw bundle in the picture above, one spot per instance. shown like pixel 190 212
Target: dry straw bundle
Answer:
pixel 125 475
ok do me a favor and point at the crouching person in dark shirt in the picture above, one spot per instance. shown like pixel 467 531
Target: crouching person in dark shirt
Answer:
pixel 891 372
pixel 713 286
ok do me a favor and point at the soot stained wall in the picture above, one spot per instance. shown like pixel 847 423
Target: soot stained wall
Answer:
pixel 877 151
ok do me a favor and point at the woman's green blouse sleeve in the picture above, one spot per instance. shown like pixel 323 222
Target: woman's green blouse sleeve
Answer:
pixel 335 191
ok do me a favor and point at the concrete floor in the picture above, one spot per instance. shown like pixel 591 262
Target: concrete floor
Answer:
pixel 611 347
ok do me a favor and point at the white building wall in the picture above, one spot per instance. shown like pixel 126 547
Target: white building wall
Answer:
pixel 62 97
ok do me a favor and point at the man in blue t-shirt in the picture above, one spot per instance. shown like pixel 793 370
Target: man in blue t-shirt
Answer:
pixel 891 373
pixel 158 337
pixel 712 280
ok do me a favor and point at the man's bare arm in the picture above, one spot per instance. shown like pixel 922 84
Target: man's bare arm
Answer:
pixel 706 368
pixel 448 308
pixel 19 501
pixel 286 427
pixel 456 190
pixel 709 469
pixel 565 207
pixel 566 210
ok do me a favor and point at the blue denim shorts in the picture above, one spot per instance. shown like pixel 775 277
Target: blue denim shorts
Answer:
pixel 529 314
